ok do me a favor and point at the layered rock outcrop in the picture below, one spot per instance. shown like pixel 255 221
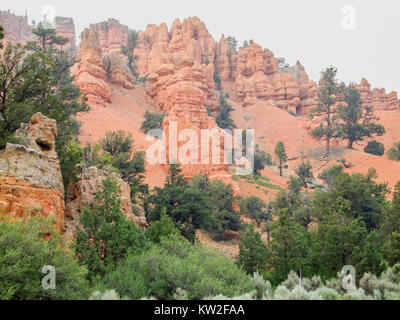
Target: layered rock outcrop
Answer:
pixel 377 98
pixel 225 61
pixel 84 191
pixel 16 28
pixel 112 35
pixel 65 27
pixel 257 78
pixel 30 176
pixel 90 75
pixel 186 84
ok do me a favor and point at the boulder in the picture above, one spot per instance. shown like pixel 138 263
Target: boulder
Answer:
pixel 30 175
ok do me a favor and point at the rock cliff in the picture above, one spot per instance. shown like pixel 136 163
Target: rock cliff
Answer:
pixel 377 98
pixel 90 75
pixel 30 175
pixel 16 28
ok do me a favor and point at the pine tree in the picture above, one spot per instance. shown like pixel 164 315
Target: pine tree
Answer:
pixel 105 237
pixel 304 172
pixel 280 153
pixel 223 118
pixel 329 92
pixel 128 51
pixel 252 256
pixel 1 35
pixel 256 209
pixel 289 247
pixel 357 122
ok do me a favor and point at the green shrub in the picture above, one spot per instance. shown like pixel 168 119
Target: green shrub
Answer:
pixel 176 264
pixel 161 228
pixel 375 148
pixel 23 254
pixel 394 153
pixel 152 121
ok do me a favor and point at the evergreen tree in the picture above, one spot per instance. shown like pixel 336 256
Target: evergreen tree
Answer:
pixel 304 172
pixel 261 159
pixel 289 247
pixel 357 122
pixel 365 197
pixel 232 42
pixel 66 99
pixel 256 209
pixel 152 121
pixel 280 153
pixel 252 256
pixel 223 118
pixel 105 236
pixel 119 156
pixel 128 51
pixel 329 93
pixel 164 227
pixel 338 240
pixel 217 80
pixel 1 36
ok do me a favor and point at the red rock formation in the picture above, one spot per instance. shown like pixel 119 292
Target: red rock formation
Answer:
pixel 111 35
pixel 377 98
pixel 65 27
pixel 90 76
pixel 308 89
pixel 225 61
pixel 30 176
pixel 257 77
pixel 17 28
pixel 188 84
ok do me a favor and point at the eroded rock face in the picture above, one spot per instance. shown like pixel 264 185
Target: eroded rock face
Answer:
pixel 117 70
pixel 377 98
pixel 30 176
pixel 188 85
pixel 16 28
pixel 225 61
pixel 112 35
pixel 84 192
pixel 90 75
pixel 257 78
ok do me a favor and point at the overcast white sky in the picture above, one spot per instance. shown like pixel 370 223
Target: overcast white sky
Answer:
pixel 308 30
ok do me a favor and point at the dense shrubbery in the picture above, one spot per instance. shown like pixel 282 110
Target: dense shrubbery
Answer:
pixel 198 204
pixel 176 264
pixel 376 148
pixel 24 252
